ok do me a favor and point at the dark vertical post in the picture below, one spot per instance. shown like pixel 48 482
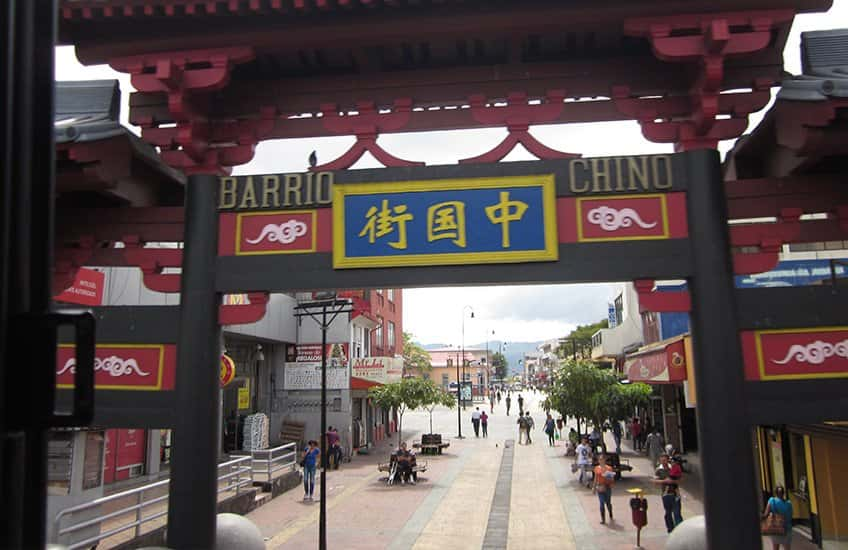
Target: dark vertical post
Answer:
pixel 723 432
pixel 322 519
pixel 458 403
pixel 193 499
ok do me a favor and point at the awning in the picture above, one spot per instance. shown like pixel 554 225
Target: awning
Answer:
pixel 659 363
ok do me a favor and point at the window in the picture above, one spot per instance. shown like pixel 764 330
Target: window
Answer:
pixel 391 294
pixel 445 381
pixel 450 362
pixel 378 333
pixel 619 310
pixel 391 335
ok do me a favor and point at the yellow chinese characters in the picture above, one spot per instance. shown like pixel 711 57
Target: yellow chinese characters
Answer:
pixel 384 220
pixel 505 212
pixel 446 220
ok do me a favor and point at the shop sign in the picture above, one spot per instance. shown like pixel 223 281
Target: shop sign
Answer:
pixel 662 365
pixel 790 354
pixel 445 222
pixel 337 354
pixel 244 398
pixel 146 367
pixel 87 288
pixel 370 371
pixel 228 370
pixel 307 376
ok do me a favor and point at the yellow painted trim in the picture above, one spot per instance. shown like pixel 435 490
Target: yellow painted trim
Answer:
pixel 765 478
pixel 160 366
pixel 545 181
pixel 761 361
pixel 313 248
pixel 811 476
pixel 663 212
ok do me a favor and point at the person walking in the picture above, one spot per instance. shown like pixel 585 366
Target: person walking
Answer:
pixel 309 462
pixel 499 397
pixel 508 404
pixel 655 446
pixel 778 504
pixel 560 423
pixel 530 425
pixel 522 430
pixel 334 449
pixel 616 436
pixel 595 438
pixel 636 433
pixel 550 429
pixel 484 423
pixel 584 458
pixel 475 419
pixel 668 475
pixel 491 402
pixel 520 405
pixel 604 480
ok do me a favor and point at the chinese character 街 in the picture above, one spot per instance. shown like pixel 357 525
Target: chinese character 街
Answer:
pixel 384 220
pixel 505 212
pixel 446 220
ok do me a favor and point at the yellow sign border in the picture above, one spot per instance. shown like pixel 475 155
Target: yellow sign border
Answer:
pixel 313 248
pixel 161 368
pixel 663 211
pixel 545 181
pixel 761 363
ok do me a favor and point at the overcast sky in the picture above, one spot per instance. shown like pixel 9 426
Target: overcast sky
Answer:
pixel 520 313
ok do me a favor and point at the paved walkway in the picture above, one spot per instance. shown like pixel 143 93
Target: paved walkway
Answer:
pixel 475 495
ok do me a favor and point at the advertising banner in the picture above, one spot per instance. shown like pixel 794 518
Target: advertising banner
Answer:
pixel 661 365
pixel 86 290
pixel 307 376
pixel 337 354
pixel 371 371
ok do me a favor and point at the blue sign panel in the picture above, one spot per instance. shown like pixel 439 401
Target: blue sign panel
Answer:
pixel 796 273
pixel 445 222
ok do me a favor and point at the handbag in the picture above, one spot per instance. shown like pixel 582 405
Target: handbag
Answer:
pixel 773 524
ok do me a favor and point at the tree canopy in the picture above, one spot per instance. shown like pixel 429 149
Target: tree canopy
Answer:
pixel 580 340
pixel 409 393
pixel 581 390
pixel 415 358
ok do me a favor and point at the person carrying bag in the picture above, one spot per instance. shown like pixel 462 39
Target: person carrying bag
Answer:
pixel 777 520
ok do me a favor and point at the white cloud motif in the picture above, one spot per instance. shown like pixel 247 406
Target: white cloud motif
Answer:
pixel 611 219
pixel 815 352
pixel 284 233
pixel 113 365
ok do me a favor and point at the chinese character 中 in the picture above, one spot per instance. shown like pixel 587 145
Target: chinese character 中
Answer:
pixel 382 221
pixel 503 213
pixel 446 220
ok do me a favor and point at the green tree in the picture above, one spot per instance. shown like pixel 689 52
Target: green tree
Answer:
pixel 407 394
pixel 499 364
pixel 436 396
pixel 579 341
pixel 415 358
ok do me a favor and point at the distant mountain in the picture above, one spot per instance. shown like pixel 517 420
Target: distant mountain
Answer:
pixel 434 346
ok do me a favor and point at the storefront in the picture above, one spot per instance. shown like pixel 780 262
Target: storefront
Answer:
pixel 808 461
pixel 664 366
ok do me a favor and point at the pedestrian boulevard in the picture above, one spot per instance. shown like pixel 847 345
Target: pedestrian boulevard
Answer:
pixel 461 501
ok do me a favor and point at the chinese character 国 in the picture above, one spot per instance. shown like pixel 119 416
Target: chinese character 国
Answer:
pixel 384 220
pixel 446 220
pixel 505 212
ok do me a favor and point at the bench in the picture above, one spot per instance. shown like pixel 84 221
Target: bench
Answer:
pixel 430 448
pixel 390 468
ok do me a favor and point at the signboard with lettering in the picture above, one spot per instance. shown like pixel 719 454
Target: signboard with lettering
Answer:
pixel 447 222
pixel 659 365
pixel 146 367
pixel 337 354
pixel 789 354
pixel 371 371
pixel 87 288
pixel 307 376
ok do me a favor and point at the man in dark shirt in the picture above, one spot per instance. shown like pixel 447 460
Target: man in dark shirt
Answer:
pixel 405 462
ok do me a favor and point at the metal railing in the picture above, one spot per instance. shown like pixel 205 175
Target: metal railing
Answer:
pixel 268 462
pixel 236 474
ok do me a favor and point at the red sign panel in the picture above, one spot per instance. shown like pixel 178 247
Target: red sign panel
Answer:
pixel 124 450
pixel 664 365
pixel 337 354
pixel 87 289
pixel 277 232
pixel 150 367
pixel 622 217
pixel 790 354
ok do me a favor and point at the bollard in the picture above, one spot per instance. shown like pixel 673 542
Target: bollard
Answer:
pixel 689 535
pixel 236 532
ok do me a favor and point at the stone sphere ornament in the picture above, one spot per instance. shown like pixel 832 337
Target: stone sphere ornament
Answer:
pixel 235 532
pixel 689 535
